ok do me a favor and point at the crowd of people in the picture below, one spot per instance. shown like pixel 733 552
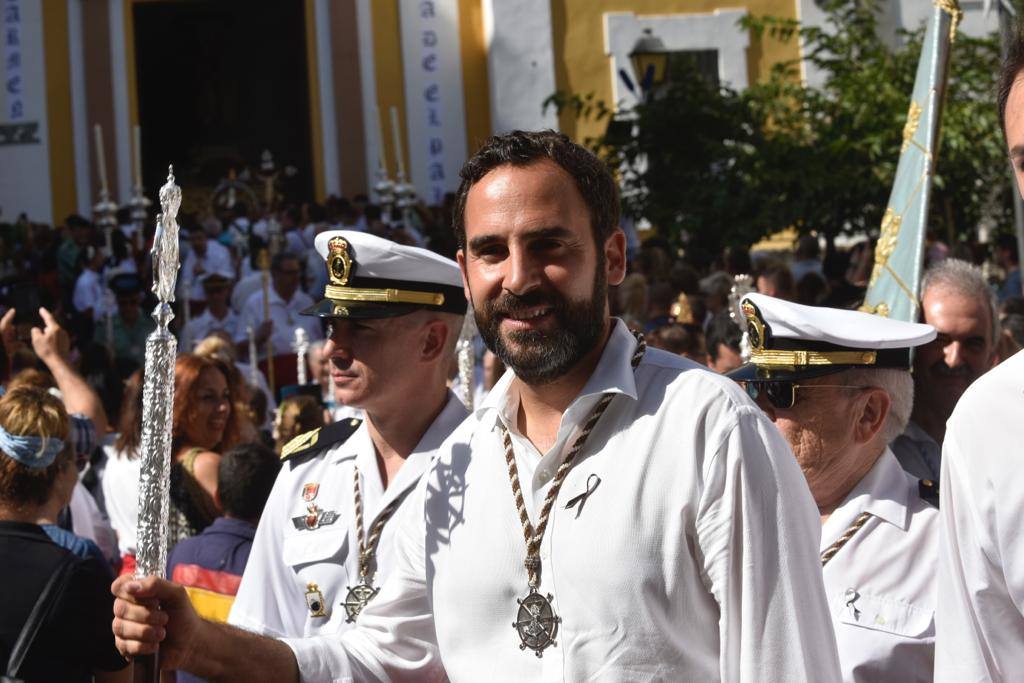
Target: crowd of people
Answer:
pixel 375 522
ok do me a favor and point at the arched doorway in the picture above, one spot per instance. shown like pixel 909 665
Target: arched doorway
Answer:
pixel 217 82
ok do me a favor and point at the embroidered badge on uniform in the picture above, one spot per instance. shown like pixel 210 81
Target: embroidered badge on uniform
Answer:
pixel 309 491
pixel 314 518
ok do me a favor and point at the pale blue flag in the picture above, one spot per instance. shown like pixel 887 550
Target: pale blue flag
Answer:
pixel 894 288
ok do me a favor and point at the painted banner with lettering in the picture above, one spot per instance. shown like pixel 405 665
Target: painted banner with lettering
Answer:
pixel 434 103
pixel 15 128
pixel 14 109
pixel 26 187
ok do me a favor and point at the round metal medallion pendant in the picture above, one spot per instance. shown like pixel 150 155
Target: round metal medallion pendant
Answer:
pixel 356 600
pixel 536 622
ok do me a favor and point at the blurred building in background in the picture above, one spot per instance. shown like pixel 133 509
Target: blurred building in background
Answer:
pixel 214 83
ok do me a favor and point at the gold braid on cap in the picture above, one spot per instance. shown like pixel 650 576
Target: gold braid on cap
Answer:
pixel 778 358
pixel 340 267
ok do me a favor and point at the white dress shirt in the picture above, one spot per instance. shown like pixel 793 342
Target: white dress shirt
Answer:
pixel 980 618
pixel 693 555
pixel 200 327
pixel 284 560
pixel 217 259
pixel 89 293
pixel 285 316
pixel 881 584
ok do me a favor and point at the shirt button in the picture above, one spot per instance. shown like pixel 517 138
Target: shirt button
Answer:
pixel 545 473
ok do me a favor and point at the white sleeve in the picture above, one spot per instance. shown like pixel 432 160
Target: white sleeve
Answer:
pixel 393 639
pixel 267 586
pixel 758 530
pixel 978 622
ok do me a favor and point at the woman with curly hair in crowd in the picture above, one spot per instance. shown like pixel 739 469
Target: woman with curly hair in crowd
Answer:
pixel 37 473
pixel 207 422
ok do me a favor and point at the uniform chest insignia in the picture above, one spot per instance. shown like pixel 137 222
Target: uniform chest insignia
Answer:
pixel 314 518
pixel 309 491
pixel 315 601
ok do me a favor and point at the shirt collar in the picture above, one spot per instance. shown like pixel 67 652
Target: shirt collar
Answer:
pixel 613 374
pixel 360 447
pixel 883 492
pixel 916 434
pixel 453 413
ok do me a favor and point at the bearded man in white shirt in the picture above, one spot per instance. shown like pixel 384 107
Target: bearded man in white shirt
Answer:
pixel 609 513
pixel 837 385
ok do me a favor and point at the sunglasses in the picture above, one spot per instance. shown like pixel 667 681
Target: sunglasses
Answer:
pixel 782 393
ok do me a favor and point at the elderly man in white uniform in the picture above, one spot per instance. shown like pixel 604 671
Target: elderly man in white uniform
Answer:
pixel 341 485
pixel 609 513
pixel 981 572
pixel 838 386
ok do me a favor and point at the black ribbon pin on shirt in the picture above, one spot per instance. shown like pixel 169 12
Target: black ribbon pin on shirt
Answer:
pixel 592 483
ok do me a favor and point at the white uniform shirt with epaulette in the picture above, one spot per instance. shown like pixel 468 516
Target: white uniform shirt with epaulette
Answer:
pixel 881 584
pixel 293 567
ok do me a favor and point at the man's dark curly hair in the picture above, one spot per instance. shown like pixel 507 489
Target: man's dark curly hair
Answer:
pixel 1013 64
pixel 522 148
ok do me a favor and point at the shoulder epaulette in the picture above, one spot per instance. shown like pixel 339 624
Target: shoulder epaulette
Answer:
pixel 929 491
pixel 320 438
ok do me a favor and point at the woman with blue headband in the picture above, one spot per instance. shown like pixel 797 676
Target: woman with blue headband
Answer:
pixel 73 642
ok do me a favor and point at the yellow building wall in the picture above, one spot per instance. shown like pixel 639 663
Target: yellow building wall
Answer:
pixel 581 65
pixel 58 110
pixel 476 91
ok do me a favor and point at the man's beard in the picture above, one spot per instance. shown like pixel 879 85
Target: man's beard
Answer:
pixel 541 357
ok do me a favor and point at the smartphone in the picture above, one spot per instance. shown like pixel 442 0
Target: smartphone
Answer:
pixel 25 300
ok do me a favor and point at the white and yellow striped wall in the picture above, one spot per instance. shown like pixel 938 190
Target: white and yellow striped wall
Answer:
pixel 456 70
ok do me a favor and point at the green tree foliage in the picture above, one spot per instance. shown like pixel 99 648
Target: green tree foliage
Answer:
pixel 711 166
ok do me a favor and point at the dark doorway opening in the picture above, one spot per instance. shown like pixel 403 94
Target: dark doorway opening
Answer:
pixel 218 82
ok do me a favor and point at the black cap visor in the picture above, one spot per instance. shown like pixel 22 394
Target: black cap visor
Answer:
pixel 750 372
pixel 329 308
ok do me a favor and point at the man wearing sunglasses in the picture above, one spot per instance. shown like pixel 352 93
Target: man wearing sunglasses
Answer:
pixel 837 385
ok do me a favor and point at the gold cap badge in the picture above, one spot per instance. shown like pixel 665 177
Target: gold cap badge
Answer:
pixel 339 261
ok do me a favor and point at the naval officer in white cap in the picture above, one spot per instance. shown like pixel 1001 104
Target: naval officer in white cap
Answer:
pixel 838 386
pixel 325 541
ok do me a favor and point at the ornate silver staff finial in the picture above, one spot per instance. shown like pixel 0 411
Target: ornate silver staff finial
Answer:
pixel 165 250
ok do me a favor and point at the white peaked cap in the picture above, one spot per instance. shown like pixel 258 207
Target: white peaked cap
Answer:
pixel 371 277
pixel 381 258
pixel 790 341
pixel 853 329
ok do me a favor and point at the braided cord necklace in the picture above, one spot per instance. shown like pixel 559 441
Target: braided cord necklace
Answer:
pixel 829 552
pixel 361 593
pixel 536 621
